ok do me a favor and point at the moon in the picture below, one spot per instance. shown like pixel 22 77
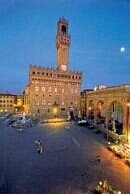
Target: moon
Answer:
pixel 122 49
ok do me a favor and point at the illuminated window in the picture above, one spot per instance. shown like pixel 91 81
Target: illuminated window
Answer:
pixel 43 103
pixel 37 103
pixel 43 89
pixel 55 90
pixel 49 89
pixel 49 103
pixel 36 89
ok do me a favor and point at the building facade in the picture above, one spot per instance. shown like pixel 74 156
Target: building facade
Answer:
pixel 111 104
pixel 7 102
pixel 54 92
pixel 10 103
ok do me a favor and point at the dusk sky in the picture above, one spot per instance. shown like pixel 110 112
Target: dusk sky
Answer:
pixel 100 40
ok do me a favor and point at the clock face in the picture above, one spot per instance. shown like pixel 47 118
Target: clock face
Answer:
pixel 64 67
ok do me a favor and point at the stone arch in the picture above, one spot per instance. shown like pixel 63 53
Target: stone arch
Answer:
pixel 100 110
pixel 91 109
pixel 116 117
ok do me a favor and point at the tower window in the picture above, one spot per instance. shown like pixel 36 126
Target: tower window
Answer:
pixel 63 28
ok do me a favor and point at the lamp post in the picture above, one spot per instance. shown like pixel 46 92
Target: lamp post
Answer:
pixel 128 115
pixel 89 108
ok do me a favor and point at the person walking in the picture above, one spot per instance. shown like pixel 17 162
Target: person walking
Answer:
pixel 98 158
pixel 39 146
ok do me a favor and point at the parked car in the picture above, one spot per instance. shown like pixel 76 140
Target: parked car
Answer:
pixel 97 131
pixel 82 122
pixel 91 127
pixel 11 123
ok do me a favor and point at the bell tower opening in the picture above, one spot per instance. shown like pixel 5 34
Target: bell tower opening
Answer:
pixel 64 29
pixel 62 45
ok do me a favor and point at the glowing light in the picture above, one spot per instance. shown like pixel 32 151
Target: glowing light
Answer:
pixel 55 110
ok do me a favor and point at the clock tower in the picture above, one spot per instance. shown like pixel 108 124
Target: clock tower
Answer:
pixel 62 45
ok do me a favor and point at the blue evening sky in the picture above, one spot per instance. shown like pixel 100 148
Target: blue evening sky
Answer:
pixel 98 28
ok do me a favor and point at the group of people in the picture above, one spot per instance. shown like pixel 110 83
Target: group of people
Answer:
pixel 39 145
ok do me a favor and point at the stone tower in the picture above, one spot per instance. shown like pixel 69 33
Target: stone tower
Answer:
pixel 54 93
pixel 62 45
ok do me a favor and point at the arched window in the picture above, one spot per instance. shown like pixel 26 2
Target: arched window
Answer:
pixel 43 103
pixel 43 89
pixel 36 89
pixel 63 29
pixel 37 102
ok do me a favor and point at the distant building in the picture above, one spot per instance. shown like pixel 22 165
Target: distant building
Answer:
pixel 7 102
pixel 100 87
pixel 10 103
pixel 53 92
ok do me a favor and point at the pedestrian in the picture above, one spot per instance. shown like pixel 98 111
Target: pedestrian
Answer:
pixel 39 145
pixel 98 158
pixel 39 142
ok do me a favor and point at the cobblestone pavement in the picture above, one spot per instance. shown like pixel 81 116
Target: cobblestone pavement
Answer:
pixel 68 165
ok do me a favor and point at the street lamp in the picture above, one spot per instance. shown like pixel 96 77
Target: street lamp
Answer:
pixel 128 115
pixel 89 108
